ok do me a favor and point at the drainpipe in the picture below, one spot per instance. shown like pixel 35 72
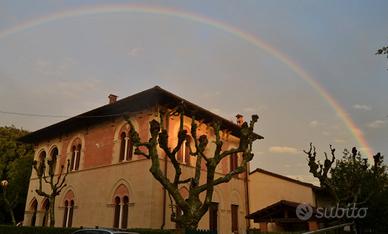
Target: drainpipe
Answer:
pixel 247 197
pixel 167 121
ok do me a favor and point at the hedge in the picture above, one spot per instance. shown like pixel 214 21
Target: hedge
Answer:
pixel 257 231
pixel 8 229
pixel 151 231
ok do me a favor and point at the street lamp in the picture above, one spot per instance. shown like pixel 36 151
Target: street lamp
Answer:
pixel 4 184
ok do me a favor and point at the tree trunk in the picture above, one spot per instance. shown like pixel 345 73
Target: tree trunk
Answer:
pixel 9 207
pixel 12 216
pixel 180 230
pixel 52 211
pixel 186 223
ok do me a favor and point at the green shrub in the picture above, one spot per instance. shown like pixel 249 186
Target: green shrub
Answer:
pixel 150 231
pixel 7 229
pixel 257 231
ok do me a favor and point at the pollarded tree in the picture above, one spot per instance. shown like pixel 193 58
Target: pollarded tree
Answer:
pixel 383 51
pixel 193 208
pixel 56 182
pixel 352 180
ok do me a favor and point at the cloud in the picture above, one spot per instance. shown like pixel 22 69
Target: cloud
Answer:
pixel 283 150
pixel 377 124
pixel 362 107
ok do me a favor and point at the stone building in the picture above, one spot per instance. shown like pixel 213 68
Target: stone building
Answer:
pixel 110 186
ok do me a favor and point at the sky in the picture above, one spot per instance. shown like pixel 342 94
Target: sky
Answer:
pixel 307 68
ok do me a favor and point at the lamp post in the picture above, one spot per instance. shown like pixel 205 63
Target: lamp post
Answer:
pixel 4 185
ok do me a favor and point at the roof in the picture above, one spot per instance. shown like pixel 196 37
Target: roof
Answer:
pixel 284 178
pixel 134 103
pixel 281 211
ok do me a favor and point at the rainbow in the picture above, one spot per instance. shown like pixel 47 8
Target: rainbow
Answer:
pixel 248 37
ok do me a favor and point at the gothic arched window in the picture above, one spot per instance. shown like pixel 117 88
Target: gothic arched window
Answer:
pixel 121 207
pixel 68 214
pixel 126 147
pixel 46 206
pixel 75 155
pixel 54 157
pixel 184 152
pixel 34 209
pixel 69 209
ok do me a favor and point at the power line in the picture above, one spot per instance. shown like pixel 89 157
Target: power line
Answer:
pixel 34 115
pixel 57 116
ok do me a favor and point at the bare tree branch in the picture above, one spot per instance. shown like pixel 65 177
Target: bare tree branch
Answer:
pixel 193 208
pixel 55 187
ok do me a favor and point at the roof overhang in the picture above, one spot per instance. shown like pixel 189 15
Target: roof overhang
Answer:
pixel 282 211
pixel 149 98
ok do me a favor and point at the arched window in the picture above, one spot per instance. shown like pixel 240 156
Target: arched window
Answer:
pixel 122 146
pixel 116 220
pixel 78 156
pixel 121 212
pixel 126 147
pixel 53 157
pixel 184 151
pixel 121 207
pixel 75 157
pixel 46 206
pixel 42 156
pixel 66 204
pixel 41 163
pixel 124 221
pixel 33 208
pixel 213 216
pixel 233 161
pixel 187 150
pixel 180 154
pixel 69 209
pixel 68 214
pixel 234 216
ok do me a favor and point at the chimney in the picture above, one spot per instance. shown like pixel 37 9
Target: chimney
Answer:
pixel 239 119
pixel 112 98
